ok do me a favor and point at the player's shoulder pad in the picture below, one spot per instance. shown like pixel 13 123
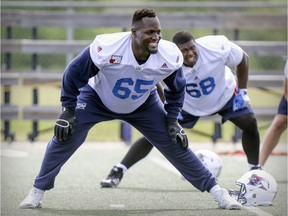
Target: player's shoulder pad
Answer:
pixel 171 53
pixel 218 43
pixel 105 45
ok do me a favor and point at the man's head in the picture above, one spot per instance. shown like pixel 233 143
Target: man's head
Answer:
pixel 146 33
pixel 186 43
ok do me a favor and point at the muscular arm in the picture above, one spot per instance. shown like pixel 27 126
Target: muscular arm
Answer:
pixel 160 91
pixel 174 93
pixel 242 71
pixel 76 75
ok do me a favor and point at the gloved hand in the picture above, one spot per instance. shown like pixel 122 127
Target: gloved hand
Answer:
pixel 177 133
pixel 241 100
pixel 65 125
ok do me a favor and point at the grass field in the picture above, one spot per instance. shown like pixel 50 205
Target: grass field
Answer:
pixel 152 187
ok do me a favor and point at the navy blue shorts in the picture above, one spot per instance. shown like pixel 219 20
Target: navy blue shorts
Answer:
pixel 282 108
pixel 188 121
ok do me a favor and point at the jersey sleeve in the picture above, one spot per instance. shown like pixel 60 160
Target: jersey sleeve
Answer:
pixel 174 93
pixel 235 55
pixel 215 47
pixel 76 75
pixel 104 46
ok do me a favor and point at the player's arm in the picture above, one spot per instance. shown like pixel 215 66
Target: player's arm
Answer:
pixel 160 91
pixel 238 58
pixel 241 99
pixel 174 93
pixel 174 99
pixel 76 75
pixel 242 72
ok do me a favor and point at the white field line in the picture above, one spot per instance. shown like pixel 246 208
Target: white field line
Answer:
pixel 13 153
pixel 257 211
pixel 166 165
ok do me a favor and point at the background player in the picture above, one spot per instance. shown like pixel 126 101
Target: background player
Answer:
pixel 278 126
pixel 211 88
pixel 115 78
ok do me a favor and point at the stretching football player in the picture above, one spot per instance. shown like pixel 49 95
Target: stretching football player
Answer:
pixel 115 78
pixel 211 89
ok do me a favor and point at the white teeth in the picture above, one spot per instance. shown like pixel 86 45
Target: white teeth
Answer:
pixel 153 44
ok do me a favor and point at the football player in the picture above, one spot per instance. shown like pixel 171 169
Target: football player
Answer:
pixel 115 78
pixel 211 89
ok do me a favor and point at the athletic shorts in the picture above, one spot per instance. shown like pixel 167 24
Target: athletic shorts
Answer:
pixel 188 121
pixel 282 108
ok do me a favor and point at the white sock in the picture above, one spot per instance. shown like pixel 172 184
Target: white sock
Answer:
pixel 123 167
pixel 253 165
pixel 37 189
pixel 214 189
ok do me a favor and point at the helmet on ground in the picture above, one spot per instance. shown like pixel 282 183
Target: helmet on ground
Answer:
pixel 257 188
pixel 211 160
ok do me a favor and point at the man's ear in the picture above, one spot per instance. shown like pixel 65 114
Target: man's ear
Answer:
pixel 133 31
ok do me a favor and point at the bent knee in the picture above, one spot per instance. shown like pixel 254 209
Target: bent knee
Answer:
pixel 279 123
pixel 250 124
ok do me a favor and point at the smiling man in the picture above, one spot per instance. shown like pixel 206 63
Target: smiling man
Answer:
pixel 115 78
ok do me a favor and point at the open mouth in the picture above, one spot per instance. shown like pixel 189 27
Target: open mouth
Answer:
pixel 153 45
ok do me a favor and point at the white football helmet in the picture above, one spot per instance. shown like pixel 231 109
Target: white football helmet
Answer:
pixel 211 160
pixel 257 188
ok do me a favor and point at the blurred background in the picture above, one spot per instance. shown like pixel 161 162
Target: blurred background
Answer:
pixel 39 38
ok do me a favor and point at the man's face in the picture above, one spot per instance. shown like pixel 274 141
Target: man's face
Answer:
pixel 147 35
pixel 189 52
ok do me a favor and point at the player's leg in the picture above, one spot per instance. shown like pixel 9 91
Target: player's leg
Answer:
pixel 137 151
pixel 250 138
pixel 247 122
pixel 57 153
pixel 140 149
pixel 277 127
pixel 272 136
pixel 184 160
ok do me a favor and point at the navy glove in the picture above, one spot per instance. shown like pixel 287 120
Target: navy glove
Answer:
pixel 177 133
pixel 65 125
pixel 241 100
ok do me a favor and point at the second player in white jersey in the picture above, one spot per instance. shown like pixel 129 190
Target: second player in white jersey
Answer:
pixel 210 82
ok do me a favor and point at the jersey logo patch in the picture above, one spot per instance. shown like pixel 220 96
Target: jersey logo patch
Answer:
pixel 115 59
pixel 138 68
pixel 164 66
pixel 81 106
pixel 99 49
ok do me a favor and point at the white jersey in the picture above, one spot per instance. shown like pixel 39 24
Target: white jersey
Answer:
pixel 122 84
pixel 210 82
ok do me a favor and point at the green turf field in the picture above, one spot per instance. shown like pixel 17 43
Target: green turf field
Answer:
pixel 152 187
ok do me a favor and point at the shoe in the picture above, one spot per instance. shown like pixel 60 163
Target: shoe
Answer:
pixel 256 167
pixel 113 179
pixel 33 199
pixel 225 201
